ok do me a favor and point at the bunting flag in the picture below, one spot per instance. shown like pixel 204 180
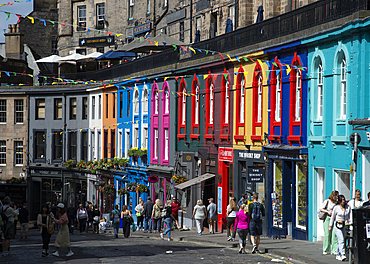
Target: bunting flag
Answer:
pixel 288 69
pixel 156 43
pixel 19 18
pixel 175 47
pixel 193 50
pixel 88 31
pixel 225 75
pixel 184 48
pixel 164 44
pixel 8 14
pixel 31 18
pixel 237 58
pixel 43 21
pixel 228 56
pixel 222 57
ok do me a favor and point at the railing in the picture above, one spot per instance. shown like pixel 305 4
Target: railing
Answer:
pixel 306 17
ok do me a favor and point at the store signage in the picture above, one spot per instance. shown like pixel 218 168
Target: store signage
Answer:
pixel 255 174
pixel 187 157
pixel 45 172
pixel 219 200
pixel 181 14
pixel 249 155
pixel 201 5
pixel 142 28
pixel 226 154
pixel 97 41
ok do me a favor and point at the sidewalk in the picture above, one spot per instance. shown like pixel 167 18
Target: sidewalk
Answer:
pixel 307 252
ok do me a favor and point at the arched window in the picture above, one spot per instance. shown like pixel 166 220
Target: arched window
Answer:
pixel 156 102
pixel 225 106
pixel 154 125
pixel 182 109
pixel 240 106
pixel 298 99
pixel 136 101
pixel 343 89
pixel 209 108
pixel 242 100
pixel 165 124
pixel 227 102
pixel 145 101
pixel 167 102
pixel 278 97
pixel 276 102
pixel 211 99
pixel 257 104
pixel 259 99
pixel 319 91
pixel 195 109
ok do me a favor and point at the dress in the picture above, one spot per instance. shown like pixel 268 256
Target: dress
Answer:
pixel 62 239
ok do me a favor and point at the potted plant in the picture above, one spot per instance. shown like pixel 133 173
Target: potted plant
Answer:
pixel 123 191
pixel 131 187
pixel 81 165
pixel 179 179
pixel 69 164
pixel 143 152
pixel 13 180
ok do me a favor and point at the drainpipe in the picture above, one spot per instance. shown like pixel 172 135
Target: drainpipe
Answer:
pixel 191 21
pixel 28 153
pixel 64 147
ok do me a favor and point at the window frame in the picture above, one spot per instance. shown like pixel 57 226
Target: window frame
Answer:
pixel 320 92
pixel 37 144
pixel 2 152
pixel 209 107
pixel 57 133
pixel 18 155
pixel 18 113
pixel 85 107
pixel 38 107
pixel 72 107
pixel 72 147
pixel 276 101
pixel 84 147
pixel 3 112
pixel 100 19
pixel 93 106
pixel 240 106
pixel 257 119
pixel 136 102
pixel 225 106
pixel 343 89
pixel 81 20
pixel 145 101
pixel 195 113
pixel 182 110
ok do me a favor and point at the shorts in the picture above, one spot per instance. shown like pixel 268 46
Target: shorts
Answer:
pixel 24 226
pixel 255 228
pixel 176 217
pixel 9 230
pixel 211 221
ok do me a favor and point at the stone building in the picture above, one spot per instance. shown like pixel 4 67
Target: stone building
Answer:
pixel 13 144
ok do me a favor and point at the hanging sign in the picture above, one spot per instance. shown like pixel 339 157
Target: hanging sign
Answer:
pixel 98 41
pixel 255 174
pixel 225 154
pixel 142 28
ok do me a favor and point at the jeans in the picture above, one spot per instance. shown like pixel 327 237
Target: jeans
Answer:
pixel 168 230
pixel 199 223
pixel 242 233
pixel 230 221
pixel 82 224
pixel 340 233
pixel 157 224
pixel 330 239
pixel 116 227
pixel 140 221
pixel 146 220
pixel 45 238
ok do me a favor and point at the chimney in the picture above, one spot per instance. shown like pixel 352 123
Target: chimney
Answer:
pixel 14 42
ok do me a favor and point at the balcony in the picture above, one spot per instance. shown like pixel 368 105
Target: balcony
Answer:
pixel 303 18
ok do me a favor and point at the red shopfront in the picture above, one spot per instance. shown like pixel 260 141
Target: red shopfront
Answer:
pixel 225 188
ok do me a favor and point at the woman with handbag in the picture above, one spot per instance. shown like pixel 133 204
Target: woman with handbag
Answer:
pixel 199 214
pixel 46 224
pixel 139 215
pixel 126 216
pixel 156 216
pixel 330 240
pixel 62 239
pixel 168 219
pixel 232 209
pixel 341 218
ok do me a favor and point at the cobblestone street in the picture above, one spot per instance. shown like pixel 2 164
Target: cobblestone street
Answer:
pixel 104 248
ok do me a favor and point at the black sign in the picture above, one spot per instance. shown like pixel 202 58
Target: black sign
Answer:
pixel 181 14
pixel 255 174
pixel 187 157
pixel 202 153
pixel 98 41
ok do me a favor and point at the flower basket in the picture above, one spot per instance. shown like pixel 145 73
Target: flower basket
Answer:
pixel 81 165
pixel 179 179
pixel 108 189
pixel 141 188
pixel 131 187
pixel 13 180
pixel 123 191
pixel 143 152
pixel 133 152
pixel 69 164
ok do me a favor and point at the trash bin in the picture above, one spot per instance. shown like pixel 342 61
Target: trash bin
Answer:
pixel 361 235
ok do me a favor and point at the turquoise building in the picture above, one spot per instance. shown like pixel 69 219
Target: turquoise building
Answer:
pixel 338 95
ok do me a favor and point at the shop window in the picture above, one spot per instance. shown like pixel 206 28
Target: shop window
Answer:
pixel 195 110
pixel 40 108
pixel 18 108
pixel 2 111
pixel 277 195
pixel 343 180
pixel 182 110
pixel 257 104
pixel 18 154
pixel 301 196
pixel 240 106
pixel 209 107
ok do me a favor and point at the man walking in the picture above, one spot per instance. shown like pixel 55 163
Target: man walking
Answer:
pixel 175 205
pixel 255 210
pixel 23 219
pixel 148 210
pixel 243 200
pixel 71 214
pixel 9 225
pixel 212 216
pixel 367 203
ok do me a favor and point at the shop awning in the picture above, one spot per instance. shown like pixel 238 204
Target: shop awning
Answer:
pixel 194 181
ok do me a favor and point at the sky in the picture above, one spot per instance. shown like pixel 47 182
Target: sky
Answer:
pixel 23 9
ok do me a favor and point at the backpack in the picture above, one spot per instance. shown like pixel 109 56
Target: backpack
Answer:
pixel 256 213
pixel 116 217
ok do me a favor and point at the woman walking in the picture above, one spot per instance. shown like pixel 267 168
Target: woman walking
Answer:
pixel 340 218
pixel 232 209
pixel 156 215
pixel 126 216
pixel 46 224
pixel 96 219
pixel 199 214
pixel 139 215
pixel 82 218
pixel 116 220
pixel 242 225
pixel 62 239
pixel 330 240
pixel 168 219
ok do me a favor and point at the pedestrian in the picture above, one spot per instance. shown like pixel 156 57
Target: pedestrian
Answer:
pixel 199 214
pixel 62 240
pixel 357 202
pixel 167 220
pixel 8 229
pixel 256 210
pixel 46 224
pixel 115 215
pixel 126 216
pixel 96 219
pixel 340 218
pixel 82 218
pixel 242 224
pixel 15 207
pixel 139 209
pixel 212 215
pixel 156 215
pixel 232 209
pixel 243 200
pixel 23 219
pixel 148 210
pixel 71 213
pixel 89 210
pixel 330 239
pixel 176 205
pixel 367 203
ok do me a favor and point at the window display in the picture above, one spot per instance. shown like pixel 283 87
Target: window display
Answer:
pixel 277 195
pixel 301 195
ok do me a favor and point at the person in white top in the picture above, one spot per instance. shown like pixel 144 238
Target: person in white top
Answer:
pixel 330 240
pixel 357 202
pixel 341 218
pixel 232 209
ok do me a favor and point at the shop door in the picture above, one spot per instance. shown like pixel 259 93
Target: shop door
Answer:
pixel 320 174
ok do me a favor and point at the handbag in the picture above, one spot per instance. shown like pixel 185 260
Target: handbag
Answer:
pixel 322 215
pixel 339 224
pixel 51 231
pixel 96 219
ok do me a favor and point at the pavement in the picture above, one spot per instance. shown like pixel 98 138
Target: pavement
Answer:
pixel 304 251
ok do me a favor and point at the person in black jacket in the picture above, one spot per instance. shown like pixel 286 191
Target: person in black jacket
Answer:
pixel 89 210
pixel 148 209
pixel 71 214
pixel 23 219
pixel 167 220
pixel 96 219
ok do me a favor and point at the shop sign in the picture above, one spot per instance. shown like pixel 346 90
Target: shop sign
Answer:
pixel 255 174
pixel 219 200
pixel 45 172
pixel 226 154
pixel 142 28
pixel 187 157
pixel 201 5
pixel 181 14
pixel 97 41
pixel 249 155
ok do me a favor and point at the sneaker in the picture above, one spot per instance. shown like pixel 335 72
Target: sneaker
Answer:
pixel 325 253
pixel 229 238
pixel 56 253
pixel 117 236
pixel 161 235
pixel 343 258
pixel 240 250
pixel 150 231
pixel 5 253
pixel 254 249
pixel 338 257
pixel 170 239
pixel 145 231
pixel 43 254
pixel 258 252
pixel 232 239
pixel 70 253
pixel 199 234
